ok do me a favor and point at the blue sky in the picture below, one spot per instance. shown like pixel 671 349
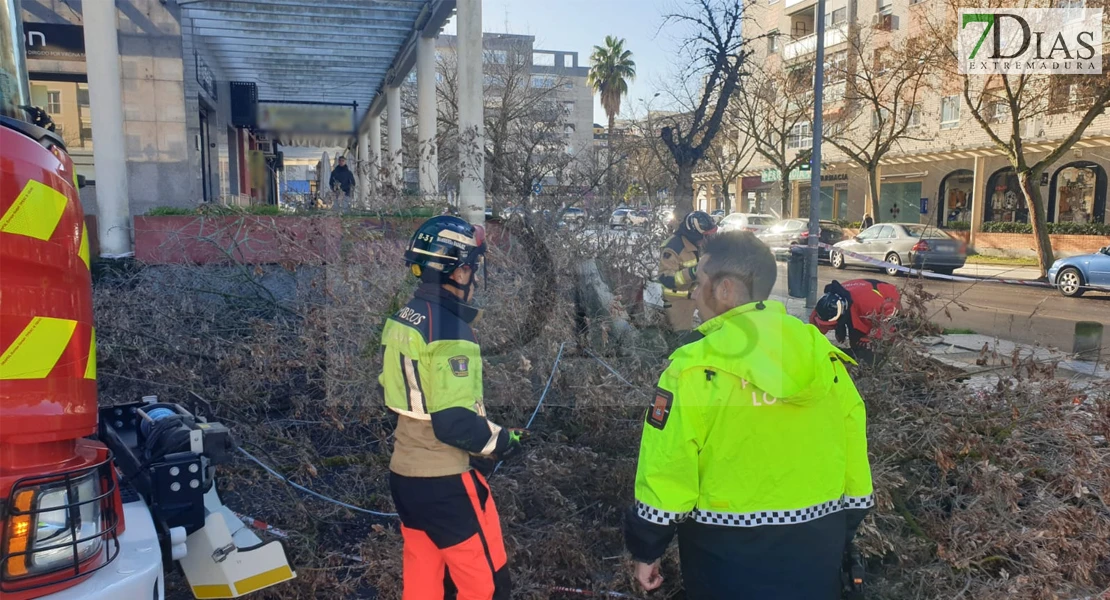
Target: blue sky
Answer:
pixel 579 25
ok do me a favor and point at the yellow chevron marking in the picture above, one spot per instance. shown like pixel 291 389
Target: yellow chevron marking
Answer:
pixel 90 367
pixel 37 349
pixel 36 212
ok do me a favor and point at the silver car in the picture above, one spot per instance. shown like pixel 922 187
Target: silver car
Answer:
pixel 627 217
pixel 747 222
pixel 910 244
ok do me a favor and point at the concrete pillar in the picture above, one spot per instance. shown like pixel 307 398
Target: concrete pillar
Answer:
pixel 113 200
pixel 979 197
pixel 426 115
pixel 472 137
pixel 375 132
pixel 393 120
pixel 363 166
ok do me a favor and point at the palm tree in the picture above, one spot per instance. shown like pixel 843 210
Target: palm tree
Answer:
pixel 611 68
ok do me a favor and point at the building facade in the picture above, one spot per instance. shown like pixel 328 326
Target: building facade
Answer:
pixel 949 174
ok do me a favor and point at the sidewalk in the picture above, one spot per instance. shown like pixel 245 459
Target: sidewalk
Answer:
pixel 999 271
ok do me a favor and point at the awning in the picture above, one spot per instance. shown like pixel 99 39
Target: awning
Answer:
pixel 338 51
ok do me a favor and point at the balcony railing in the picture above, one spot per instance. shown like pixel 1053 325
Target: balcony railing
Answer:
pixel 808 44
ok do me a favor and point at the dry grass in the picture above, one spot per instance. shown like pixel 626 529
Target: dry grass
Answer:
pixel 989 494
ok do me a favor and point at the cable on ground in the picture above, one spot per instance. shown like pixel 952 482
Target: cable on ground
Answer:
pixel 546 388
pixel 312 493
pixel 611 369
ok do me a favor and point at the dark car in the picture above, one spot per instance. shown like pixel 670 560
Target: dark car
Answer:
pixel 794 232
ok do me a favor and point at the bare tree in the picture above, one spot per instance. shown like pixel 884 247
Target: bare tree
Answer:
pixel 729 155
pixel 525 120
pixel 717 53
pixel 883 81
pixel 1014 109
pixel 775 113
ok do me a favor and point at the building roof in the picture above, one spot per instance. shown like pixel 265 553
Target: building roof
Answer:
pixel 341 51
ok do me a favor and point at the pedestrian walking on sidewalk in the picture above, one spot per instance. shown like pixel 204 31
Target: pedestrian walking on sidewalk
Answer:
pixel 738 457
pixel 432 377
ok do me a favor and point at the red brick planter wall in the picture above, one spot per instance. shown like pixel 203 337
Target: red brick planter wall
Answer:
pixel 252 239
pixel 1022 244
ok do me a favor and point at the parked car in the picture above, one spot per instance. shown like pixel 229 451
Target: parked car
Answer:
pixel 747 222
pixel 1070 275
pixel 574 216
pixel 793 232
pixel 911 244
pixel 627 217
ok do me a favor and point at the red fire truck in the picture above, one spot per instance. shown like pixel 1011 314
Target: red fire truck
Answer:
pixel 95 502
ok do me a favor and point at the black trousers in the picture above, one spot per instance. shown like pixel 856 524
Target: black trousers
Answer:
pixel 775 562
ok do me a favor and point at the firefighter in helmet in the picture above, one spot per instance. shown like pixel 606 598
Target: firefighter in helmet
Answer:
pixel 858 310
pixel 678 265
pixel 432 377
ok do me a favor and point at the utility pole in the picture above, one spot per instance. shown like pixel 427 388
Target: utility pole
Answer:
pixel 815 162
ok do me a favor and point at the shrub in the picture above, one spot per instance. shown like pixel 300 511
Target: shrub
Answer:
pixel 1053 228
pixel 170 211
pixel 958 226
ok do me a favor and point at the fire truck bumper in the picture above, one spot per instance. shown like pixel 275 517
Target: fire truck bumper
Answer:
pixel 135 574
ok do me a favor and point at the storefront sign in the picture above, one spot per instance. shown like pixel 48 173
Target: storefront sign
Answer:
pixel 305 118
pixel 772 175
pixel 205 78
pixel 49 41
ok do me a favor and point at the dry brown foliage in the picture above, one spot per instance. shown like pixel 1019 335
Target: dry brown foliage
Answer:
pixel 987 493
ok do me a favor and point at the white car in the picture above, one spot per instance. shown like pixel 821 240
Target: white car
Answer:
pixel 746 222
pixel 627 217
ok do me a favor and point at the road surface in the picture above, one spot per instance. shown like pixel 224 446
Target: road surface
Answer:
pixel 1021 314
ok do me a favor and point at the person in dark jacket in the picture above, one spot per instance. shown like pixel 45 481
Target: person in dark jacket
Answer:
pixel 868 221
pixel 342 177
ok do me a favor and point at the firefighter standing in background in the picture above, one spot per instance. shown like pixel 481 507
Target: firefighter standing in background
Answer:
pixel 678 266
pixel 739 455
pixel 432 377
pixel 857 310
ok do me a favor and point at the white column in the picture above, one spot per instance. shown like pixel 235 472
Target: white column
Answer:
pixel 376 150
pixel 110 154
pixel 363 166
pixel 472 138
pixel 426 115
pixel 393 120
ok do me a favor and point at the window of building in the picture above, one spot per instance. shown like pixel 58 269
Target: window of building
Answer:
pixel 1077 195
pixel 880 118
pixel 1004 199
pixel 998 111
pixel 801 136
pixel 949 112
pixel 568 61
pixel 801 79
pixel 568 129
pixel 54 102
pixel 915 116
pixel 543 59
pixel 836 18
pixel 773 41
pixel 83 95
pixel 836 67
pixel 497 57
pixel 885 7
pixel 543 81
pixel 568 107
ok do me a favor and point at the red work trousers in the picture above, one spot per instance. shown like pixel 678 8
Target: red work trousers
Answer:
pixel 450 524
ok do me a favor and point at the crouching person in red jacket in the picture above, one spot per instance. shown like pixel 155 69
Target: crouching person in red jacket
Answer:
pixel 858 310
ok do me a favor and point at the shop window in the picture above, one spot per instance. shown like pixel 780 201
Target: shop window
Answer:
pixel 899 202
pixel 1004 199
pixel 828 199
pixel 956 195
pixel 1077 193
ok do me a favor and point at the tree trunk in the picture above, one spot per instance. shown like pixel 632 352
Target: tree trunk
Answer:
pixel 609 159
pixel 873 185
pixel 1032 193
pixel 787 206
pixel 726 200
pixel 684 195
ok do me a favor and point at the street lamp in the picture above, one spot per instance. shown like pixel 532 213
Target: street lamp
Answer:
pixel 815 162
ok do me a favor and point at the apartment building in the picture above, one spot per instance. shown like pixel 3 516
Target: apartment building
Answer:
pixel 950 174
pixel 547 68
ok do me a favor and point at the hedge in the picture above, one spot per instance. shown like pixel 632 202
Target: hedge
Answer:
pixel 1053 228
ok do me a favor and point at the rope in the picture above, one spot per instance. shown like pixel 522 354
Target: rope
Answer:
pixel 312 493
pixel 611 369
pixel 546 388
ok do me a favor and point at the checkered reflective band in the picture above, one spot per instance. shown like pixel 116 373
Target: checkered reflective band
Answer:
pixel 659 517
pixel 756 519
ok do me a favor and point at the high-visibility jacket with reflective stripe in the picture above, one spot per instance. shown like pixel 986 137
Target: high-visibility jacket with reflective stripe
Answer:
pixel 756 423
pixel 677 262
pixel 432 378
